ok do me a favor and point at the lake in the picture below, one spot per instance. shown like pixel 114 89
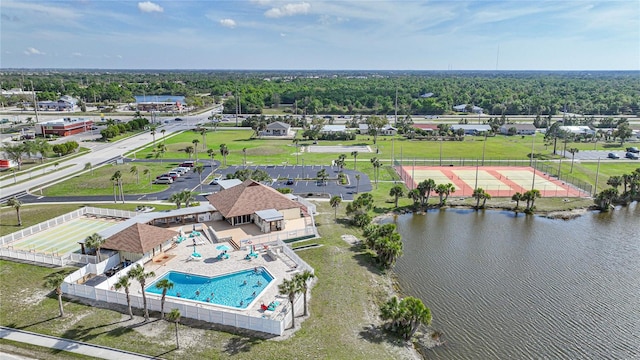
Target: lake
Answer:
pixel 511 287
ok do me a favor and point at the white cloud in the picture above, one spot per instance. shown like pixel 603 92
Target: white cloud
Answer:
pixel 288 10
pixel 283 34
pixel 230 23
pixel 148 6
pixel 76 54
pixel 33 51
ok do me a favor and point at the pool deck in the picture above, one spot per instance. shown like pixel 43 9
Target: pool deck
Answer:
pixel 210 265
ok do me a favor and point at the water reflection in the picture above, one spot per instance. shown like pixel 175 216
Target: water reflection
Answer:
pixel 506 286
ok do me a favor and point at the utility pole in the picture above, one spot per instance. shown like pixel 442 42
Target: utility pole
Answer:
pixel 35 102
pixel 396 110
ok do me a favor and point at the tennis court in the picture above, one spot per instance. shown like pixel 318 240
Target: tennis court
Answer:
pixel 499 181
pixel 63 238
pixel 346 149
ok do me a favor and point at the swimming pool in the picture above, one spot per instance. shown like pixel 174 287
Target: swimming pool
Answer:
pixel 235 290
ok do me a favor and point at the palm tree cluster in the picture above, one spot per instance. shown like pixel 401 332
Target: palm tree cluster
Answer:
pixel 443 191
pixel 396 191
pixel 359 209
pixel 184 196
pixel 529 196
pixel 118 189
pixel 405 316
pixel 422 192
pixel 480 194
pixel 631 191
pixel 298 284
pixel 16 152
pixel 375 162
pixel 385 241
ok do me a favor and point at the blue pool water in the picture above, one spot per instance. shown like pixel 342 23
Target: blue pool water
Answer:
pixel 236 290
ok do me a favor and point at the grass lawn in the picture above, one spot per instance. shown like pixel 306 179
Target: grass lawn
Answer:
pixel 99 182
pixel 343 306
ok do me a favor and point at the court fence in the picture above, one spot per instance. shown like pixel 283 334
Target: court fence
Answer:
pixel 7 251
pixel 549 170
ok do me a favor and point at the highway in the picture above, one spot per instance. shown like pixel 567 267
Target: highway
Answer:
pixel 100 153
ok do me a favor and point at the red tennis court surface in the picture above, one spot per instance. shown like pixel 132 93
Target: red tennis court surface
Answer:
pixel 499 181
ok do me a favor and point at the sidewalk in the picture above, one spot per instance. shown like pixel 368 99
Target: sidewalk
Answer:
pixel 69 345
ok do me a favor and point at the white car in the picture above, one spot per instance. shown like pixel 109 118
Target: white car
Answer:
pixel 164 180
pixel 180 171
pixel 171 173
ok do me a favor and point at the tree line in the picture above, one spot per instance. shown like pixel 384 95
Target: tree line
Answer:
pixel 498 93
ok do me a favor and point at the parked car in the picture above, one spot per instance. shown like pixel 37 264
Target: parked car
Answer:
pixel 290 181
pixel 180 170
pixel 613 156
pixel 632 156
pixel 189 164
pixel 184 169
pixel 172 173
pixel 214 181
pixel 173 177
pixel 178 119
pixel 633 149
pixel 164 180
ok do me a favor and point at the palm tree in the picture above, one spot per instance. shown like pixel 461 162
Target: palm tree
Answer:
pixel 89 166
pixel 244 153
pixel 335 203
pixel 187 197
pixel 425 187
pixel 303 282
pixel 141 276
pixel 176 198
pixel 195 143
pixel 15 153
pixel 174 316
pixel 163 139
pixel 615 181
pixel 531 197
pixel 55 281
pixel 203 132
pixel 147 173
pixel 16 204
pixel 199 168
pixel 165 285
pixel 134 170
pixel 124 282
pixel 414 195
pixel 478 194
pixel 322 175
pixel 290 288
pixel 415 313
pixel 153 133
pixel 441 189
pixel 376 168
pixel 357 182
pixel 95 241
pixel 161 150
pixel 396 191
pixel 573 152
pixel 224 151
pixel 355 157
pixel 189 151
pixel 604 199
pixel 211 154
pixel 117 179
pixel 517 197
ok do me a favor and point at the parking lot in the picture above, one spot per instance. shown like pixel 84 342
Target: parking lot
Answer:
pixel 596 154
pixel 304 180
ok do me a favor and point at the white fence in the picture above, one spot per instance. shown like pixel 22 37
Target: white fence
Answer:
pixel 275 324
pixel 56 259
pixel 48 259
pixel 196 311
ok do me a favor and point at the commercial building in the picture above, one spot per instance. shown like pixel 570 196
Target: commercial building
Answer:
pixel 64 127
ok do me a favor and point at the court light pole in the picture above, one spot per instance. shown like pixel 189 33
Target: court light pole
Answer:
pixel 533 138
pixel 595 186
pixel 533 181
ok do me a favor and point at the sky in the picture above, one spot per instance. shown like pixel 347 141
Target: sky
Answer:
pixel 321 35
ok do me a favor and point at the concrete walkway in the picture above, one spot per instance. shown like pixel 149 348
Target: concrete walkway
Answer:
pixel 69 345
